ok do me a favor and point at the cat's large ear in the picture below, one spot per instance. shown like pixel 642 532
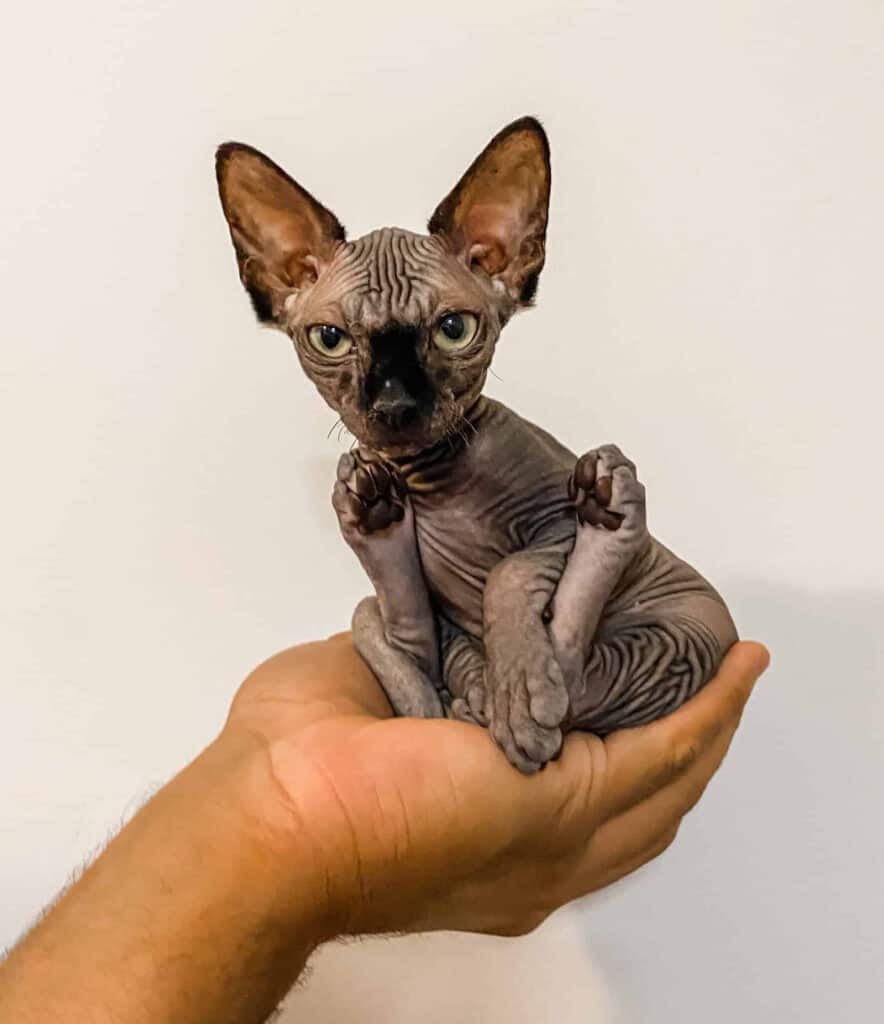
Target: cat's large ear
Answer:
pixel 282 235
pixel 495 217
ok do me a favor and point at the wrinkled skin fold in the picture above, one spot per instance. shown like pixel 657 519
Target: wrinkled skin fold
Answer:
pixel 516 584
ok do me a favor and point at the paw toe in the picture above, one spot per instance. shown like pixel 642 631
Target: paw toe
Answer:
pixel 363 483
pixel 549 708
pixel 502 735
pixel 476 700
pixel 346 465
pixel 602 490
pixel 339 497
pixel 548 701
pixel 584 472
pixel 353 506
pixel 537 742
pixel 538 745
pixel 590 511
pixel 610 457
pixel 460 711
pixel 626 485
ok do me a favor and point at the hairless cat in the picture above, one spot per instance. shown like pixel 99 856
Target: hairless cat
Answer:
pixel 516 585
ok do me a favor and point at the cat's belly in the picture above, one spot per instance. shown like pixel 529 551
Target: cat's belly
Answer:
pixel 457 554
pixel 459 549
pixel 507 490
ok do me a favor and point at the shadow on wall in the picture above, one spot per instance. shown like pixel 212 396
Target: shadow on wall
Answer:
pixel 827 662
pixel 770 894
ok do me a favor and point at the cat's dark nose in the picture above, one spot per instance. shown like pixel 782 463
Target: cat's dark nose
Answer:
pixel 394 403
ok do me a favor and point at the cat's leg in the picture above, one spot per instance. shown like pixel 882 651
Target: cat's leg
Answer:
pixel 410 692
pixel 463 673
pixel 526 700
pixel 645 665
pixel 612 533
pixel 395 632
pixel 635 629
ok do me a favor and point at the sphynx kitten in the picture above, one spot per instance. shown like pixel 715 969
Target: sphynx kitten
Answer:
pixel 516 585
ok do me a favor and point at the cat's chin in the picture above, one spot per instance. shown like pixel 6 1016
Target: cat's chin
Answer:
pixel 400 449
pixel 394 445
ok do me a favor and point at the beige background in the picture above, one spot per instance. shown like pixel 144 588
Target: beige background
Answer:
pixel 712 302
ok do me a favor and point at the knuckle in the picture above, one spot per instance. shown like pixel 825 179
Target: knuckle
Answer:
pixel 665 841
pixel 523 924
pixel 682 757
pixel 693 795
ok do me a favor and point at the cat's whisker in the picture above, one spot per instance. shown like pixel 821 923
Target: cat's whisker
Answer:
pixel 338 422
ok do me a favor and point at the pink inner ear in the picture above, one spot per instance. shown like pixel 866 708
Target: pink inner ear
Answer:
pixel 302 268
pixel 490 257
pixel 290 242
pixel 494 234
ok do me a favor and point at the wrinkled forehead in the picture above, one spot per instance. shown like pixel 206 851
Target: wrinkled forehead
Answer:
pixel 392 275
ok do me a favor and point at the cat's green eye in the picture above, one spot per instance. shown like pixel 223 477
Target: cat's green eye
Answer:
pixel 330 340
pixel 455 331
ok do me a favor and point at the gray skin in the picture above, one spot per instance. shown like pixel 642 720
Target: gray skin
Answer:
pixel 516 585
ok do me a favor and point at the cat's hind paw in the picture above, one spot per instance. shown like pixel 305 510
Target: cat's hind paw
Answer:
pixel 527 700
pixel 607 493
pixel 369 495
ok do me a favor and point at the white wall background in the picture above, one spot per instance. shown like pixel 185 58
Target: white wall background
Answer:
pixel 712 301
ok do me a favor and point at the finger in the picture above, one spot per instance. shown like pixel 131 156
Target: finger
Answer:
pixel 616 868
pixel 640 761
pixel 622 839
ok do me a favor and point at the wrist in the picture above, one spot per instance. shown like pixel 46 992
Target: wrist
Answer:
pixel 196 911
pixel 292 813
pixel 292 860
pixel 355 868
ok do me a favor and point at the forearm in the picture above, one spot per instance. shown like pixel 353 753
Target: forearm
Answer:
pixel 194 913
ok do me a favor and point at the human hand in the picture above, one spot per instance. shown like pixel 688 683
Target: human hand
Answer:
pixel 416 825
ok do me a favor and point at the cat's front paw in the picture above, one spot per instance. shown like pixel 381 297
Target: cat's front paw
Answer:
pixel 526 698
pixel 369 494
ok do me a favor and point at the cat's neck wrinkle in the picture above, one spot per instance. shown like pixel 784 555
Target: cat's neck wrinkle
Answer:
pixel 440 465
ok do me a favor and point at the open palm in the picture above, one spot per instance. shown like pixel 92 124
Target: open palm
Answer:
pixel 428 825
